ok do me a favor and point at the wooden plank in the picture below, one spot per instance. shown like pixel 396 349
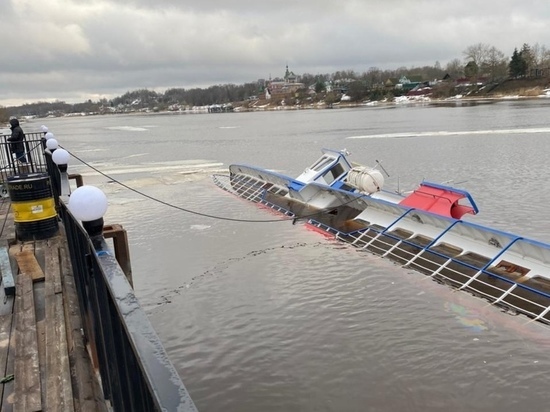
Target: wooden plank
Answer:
pixel 6 302
pixel 64 363
pixel 28 265
pixel 15 249
pixel 39 251
pixel 59 395
pixel 8 397
pixel 5 332
pixel 28 391
pixel 122 250
pixel 52 266
pixel 41 343
pixel 28 247
pixel 8 229
pixel 5 266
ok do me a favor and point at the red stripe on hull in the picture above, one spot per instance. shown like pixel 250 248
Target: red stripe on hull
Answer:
pixel 317 229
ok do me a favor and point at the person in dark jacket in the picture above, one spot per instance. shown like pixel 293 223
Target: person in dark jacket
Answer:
pixel 17 137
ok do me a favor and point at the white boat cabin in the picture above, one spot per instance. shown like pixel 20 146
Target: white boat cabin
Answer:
pixel 329 169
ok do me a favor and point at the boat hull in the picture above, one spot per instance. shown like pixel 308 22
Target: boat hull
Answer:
pixel 506 269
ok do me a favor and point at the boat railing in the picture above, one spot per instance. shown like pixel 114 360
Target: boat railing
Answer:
pixel 453 270
pixel 479 273
pixel 136 374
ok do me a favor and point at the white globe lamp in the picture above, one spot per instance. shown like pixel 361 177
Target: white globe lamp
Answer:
pixel 49 135
pixel 52 144
pixel 61 158
pixel 89 204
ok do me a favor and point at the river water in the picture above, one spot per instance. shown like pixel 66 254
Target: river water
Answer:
pixel 269 316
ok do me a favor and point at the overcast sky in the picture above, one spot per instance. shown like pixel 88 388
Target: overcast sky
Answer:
pixel 74 50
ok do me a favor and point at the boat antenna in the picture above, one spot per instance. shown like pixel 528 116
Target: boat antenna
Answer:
pixel 398 191
pixel 382 167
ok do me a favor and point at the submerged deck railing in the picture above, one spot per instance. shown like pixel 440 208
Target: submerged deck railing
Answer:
pixel 136 374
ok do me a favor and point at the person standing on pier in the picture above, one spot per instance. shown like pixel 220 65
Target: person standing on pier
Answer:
pixel 17 137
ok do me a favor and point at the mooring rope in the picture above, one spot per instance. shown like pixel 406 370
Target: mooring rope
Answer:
pixel 293 219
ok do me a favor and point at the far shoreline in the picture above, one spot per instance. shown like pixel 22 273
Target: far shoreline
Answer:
pixel 411 102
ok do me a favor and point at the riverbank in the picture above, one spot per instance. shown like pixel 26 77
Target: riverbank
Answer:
pixel 525 88
pixel 511 89
pixel 458 100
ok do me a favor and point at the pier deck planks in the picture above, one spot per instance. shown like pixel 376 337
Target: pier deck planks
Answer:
pixel 28 389
pixel 8 280
pixel 27 262
pixel 59 394
pixel 43 358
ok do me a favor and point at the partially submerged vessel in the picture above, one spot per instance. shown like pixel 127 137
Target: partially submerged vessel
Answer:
pixel 424 230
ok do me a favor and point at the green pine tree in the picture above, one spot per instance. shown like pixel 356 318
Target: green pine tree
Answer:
pixel 518 65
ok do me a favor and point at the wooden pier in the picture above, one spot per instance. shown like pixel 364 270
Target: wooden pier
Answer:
pixel 45 363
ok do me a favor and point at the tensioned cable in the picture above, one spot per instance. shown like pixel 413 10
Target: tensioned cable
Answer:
pixel 293 219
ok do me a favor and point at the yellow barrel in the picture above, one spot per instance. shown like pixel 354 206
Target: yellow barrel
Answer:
pixel 33 206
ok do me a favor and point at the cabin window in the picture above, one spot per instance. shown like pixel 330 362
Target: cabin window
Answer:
pixel 329 178
pixel 473 259
pixel 401 233
pixel 337 170
pixel 333 173
pixel 322 163
pixel 447 249
pixel 512 268
pixel 541 283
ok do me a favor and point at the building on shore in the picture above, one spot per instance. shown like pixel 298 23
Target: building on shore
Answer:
pixel 280 88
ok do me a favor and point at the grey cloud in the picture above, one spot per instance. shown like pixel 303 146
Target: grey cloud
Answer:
pixel 69 49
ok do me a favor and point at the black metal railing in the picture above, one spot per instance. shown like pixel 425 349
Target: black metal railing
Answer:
pixel 135 371
pixel 136 374
pixel 55 176
pixel 34 148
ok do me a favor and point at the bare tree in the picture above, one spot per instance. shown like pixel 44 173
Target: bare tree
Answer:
pixel 477 53
pixel 4 117
pixel 541 59
pixel 330 99
pixel 455 68
pixel 536 51
pixel 374 76
pixel 495 64
pixel 471 70
pixel 544 58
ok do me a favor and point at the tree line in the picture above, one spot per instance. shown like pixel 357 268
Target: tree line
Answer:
pixel 479 61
